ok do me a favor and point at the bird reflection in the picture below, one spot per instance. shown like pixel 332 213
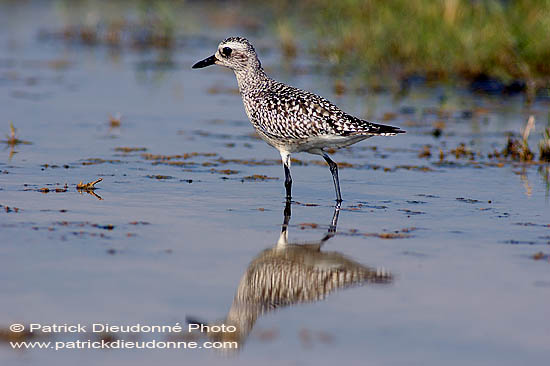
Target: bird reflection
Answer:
pixel 290 274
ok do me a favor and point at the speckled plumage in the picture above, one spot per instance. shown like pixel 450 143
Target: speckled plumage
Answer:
pixel 288 118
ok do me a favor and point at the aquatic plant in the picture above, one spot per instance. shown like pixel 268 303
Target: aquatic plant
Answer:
pixel 287 39
pixel 544 146
pixel 519 150
pixel 140 24
pixel 506 40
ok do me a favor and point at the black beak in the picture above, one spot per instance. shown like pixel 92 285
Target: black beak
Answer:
pixel 206 62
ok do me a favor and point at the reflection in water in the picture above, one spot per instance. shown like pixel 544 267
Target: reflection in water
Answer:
pixel 525 181
pixel 544 171
pixel 290 274
pixel 90 192
pixel 12 140
pixel 12 152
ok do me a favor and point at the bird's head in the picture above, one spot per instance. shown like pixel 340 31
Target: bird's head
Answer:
pixel 235 53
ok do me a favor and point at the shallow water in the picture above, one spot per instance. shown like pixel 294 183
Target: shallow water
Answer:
pixel 167 237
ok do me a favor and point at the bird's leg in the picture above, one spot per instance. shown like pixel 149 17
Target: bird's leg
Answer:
pixel 334 170
pixel 288 183
pixel 288 179
pixel 283 238
pixel 286 215
pixel 334 221
pixel 332 228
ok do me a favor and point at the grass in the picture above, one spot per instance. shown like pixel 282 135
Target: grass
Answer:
pixel 473 40
pixel 519 150
pixel 544 146
pixel 505 40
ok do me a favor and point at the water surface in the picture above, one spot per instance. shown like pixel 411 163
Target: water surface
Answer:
pixel 177 220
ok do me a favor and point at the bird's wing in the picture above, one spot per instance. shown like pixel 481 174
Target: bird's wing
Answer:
pixel 292 113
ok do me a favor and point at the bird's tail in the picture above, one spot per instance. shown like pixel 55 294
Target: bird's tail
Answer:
pixel 363 127
pixel 385 130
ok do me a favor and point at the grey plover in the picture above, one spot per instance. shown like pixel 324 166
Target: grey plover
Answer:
pixel 290 119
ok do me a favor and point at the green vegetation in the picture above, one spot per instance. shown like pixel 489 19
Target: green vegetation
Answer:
pixel 544 145
pixel 507 40
pixel 519 150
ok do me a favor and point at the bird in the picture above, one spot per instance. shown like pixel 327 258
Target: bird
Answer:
pixel 290 119
pixel 289 274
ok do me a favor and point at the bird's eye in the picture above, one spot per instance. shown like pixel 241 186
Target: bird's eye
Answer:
pixel 226 51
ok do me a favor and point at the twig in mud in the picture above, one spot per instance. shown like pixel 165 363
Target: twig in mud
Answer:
pixel 114 121
pixel 88 186
pixel 12 139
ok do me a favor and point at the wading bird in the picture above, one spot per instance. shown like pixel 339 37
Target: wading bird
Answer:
pixel 287 118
